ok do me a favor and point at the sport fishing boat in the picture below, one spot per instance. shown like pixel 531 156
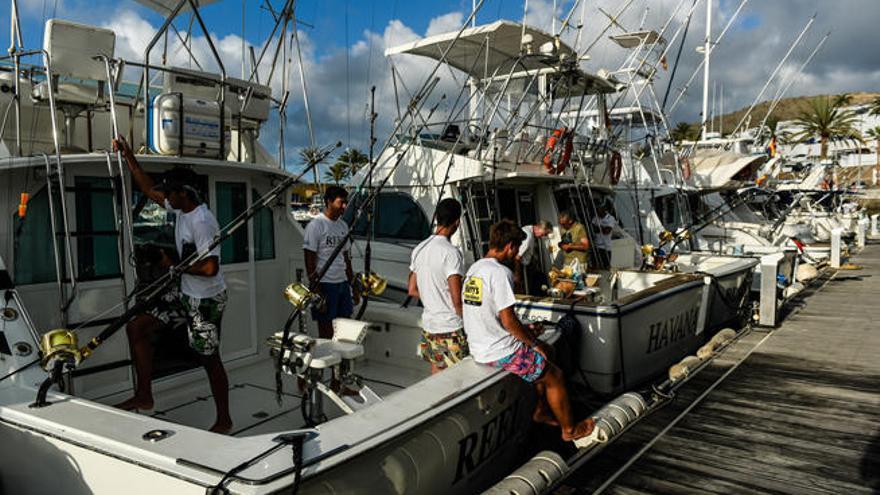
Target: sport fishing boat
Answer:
pixel 77 244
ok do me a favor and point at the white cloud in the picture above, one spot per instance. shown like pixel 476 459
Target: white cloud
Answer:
pixel 445 23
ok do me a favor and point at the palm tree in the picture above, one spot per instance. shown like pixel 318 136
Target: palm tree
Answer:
pixel 827 119
pixel 874 106
pixel 309 155
pixel 336 173
pixel 681 131
pixel 353 160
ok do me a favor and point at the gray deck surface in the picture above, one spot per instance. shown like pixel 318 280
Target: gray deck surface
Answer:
pixel 800 415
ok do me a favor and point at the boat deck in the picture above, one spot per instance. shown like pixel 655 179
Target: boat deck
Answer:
pixel 793 410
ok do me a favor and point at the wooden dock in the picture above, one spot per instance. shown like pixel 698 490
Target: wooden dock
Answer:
pixel 795 410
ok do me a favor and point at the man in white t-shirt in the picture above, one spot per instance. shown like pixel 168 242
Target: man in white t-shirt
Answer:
pixel 523 269
pixel 604 224
pixel 436 270
pixel 323 234
pixel 496 336
pixel 198 302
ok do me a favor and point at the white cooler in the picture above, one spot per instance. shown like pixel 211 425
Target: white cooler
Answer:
pixel 201 126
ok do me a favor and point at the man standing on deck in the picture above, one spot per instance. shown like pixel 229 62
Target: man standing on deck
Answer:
pixel 575 242
pixel 435 277
pixel 524 268
pixel 497 337
pixel 323 234
pixel 199 301
pixel 604 224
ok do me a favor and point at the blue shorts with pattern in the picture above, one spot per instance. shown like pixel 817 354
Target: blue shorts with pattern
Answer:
pixel 526 363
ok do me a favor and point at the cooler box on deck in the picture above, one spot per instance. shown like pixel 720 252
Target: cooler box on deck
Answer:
pixel 201 126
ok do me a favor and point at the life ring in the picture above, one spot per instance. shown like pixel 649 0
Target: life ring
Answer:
pixel 615 167
pixel 685 168
pixel 555 160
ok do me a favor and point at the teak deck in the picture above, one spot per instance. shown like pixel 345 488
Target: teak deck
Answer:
pixel 800 415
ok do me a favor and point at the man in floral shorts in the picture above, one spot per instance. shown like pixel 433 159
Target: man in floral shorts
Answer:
pixel 435 277
pixel 200 299
pixel 499 339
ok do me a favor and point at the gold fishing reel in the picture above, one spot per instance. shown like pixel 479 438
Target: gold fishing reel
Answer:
pixel 300 296
pixel 370 284
pixel 59 345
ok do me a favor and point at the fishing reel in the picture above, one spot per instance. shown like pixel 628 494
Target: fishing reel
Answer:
pixel 60 350
pixel 301 297
pixel 59 346
pixel 296 353
pixel 370 284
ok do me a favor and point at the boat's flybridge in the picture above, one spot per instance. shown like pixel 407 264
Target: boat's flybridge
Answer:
pixel 516 75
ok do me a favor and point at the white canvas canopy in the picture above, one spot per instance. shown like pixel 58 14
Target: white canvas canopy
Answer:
pixel 495 50
pixel 638 38
pixel 716 169
pixel 165 7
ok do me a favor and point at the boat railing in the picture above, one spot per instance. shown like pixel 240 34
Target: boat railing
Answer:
pixel 53 171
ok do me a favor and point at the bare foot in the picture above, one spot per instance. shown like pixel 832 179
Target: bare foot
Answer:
pixel 542 415
pixel 580 430
pixel 222 427
pixel 136 403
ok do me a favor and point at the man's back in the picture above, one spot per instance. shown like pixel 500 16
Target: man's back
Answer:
pixel 488 288
pixel 433 261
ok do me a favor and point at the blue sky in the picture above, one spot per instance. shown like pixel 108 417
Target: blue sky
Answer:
pixel 344 41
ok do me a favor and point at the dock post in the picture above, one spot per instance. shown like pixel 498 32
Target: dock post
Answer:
pixel 769 303
pixel 874 230
pixel 861 231
pixel 835 246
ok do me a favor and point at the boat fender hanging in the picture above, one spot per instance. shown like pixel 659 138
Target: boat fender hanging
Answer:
pixel 615 167
pixel 557 151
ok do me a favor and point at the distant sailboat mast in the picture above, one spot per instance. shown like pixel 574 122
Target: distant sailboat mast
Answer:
pixel 707 49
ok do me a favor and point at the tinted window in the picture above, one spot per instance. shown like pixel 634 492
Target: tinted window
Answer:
pixel 231 202
pixel 34 252
pixel 398 217
pixel 97 240
pixel 264 232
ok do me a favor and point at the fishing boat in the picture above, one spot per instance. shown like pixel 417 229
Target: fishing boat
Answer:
pixel 76 251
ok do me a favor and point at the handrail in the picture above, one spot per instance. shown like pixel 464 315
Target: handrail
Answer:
pixel 127 221
pixel 119 197
pixel 55 249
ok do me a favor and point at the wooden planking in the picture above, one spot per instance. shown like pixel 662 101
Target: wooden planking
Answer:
pixel 799 415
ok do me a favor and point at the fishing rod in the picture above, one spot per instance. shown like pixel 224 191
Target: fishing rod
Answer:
pixel 794 45
pixel 59 346
pixel 789 81
pixel 368 250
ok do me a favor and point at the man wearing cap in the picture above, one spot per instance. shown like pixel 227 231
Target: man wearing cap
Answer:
pixel 199 301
